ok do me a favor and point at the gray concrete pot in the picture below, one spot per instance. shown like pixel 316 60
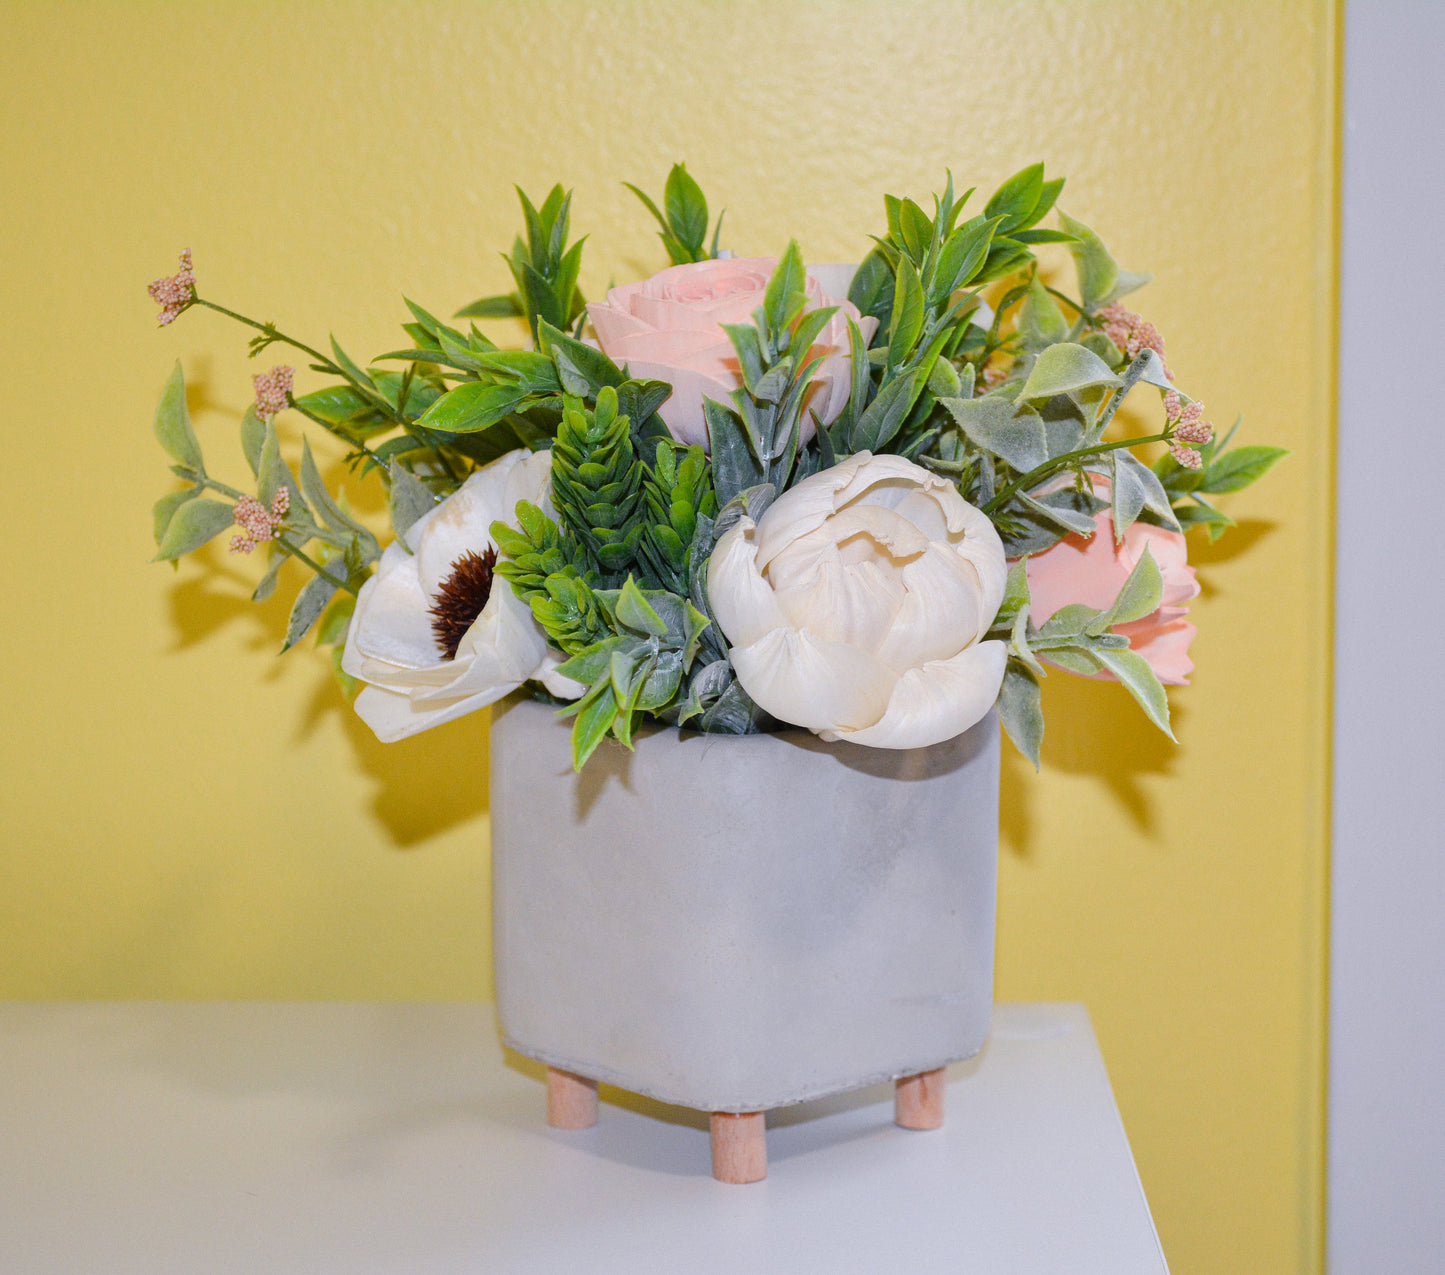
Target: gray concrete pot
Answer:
pixel 739 923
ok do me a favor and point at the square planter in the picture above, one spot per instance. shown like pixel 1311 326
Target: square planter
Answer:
pixel 734 923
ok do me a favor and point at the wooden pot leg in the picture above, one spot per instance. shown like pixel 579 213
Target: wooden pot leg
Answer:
pixel 739 1146
pixel 918 1100
pixel 571 1100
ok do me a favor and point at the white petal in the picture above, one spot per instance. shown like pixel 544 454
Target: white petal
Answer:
pixel 741 600
pixel 392 621
pixel 462 522
pixel 936 702
pixel 856 605
pixel 804 508
pixel 559 684
pixel 530 480
pixel 940 613
pixel 394 716
pixel 504 647
pixel 807 682
pixel 833 281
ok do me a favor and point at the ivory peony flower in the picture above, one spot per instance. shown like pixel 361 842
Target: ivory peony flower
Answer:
pixel 437 635
pixel 668 329
pixel 857 604
pixel 1093 569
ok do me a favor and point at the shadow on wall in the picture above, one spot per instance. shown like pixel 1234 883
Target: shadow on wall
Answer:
pixel 424 785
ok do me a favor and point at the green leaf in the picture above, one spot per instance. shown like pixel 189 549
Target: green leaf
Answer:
pixel 253 438
pixel 963 254
pixel 581 369
pixel 315 594
pixel 1134 673
pixel 1136 487
pixel 408 499
pixel 1238 468
pixel 192 524
pixel 686 209
pixel 1041 322
pixel 916 229
pixel 506 306
pixel 336 622
pixel 1020 709
pixel 1017 198
pixel 1100 279
pixel 351 369
pixel 735 466
pixel 594 721
pixel 1067 368
pixel 908 307
pixel 165 509
pixel 336 404
pixel 173 424
pixel 1140 595
pixel 1063 513
pixel 1015 596
pixel 872 291
pixel 472 407
pixel 785 288
pixel 1014 434
pixel 273 473
pixel 634 611
pixel 330 513
pixel 1201 515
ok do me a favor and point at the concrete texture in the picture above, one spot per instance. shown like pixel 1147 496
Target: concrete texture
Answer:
pixel 739 923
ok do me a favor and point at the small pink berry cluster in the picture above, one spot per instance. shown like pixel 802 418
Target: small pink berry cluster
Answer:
pixel 257 523
pixel 174 293
pixel 1189 425
pixel 273 391
pixel 1132 334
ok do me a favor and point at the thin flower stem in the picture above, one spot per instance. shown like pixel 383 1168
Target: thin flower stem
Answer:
pixel 1067 300
pixel 296 553
pixel 336 432
pixel 1049 467
pixel 278 335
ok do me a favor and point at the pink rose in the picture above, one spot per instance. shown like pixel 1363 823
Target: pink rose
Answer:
pixel 667 329
pixel 1092 570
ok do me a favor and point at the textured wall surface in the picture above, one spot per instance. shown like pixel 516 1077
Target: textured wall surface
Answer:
pixel 187 816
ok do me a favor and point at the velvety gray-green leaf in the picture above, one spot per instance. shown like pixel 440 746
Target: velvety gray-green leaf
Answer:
pixel 1067 368
pixel 1020 709
pixel 408 500
pixel 315 594
pixel 191 525
pixel 173 423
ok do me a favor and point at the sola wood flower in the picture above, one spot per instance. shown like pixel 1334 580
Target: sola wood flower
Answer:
pixel 1093 569
pixel 435 634
pixel 857 604
pixel 667 328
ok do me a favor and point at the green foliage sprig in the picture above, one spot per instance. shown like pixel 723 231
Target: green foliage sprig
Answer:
pixel 684 225
pixel 544 268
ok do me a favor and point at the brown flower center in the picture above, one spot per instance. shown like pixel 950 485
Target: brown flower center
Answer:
pixel 460 599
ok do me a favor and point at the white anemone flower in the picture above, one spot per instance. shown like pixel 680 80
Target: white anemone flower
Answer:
pixel 442 592
pixel 856 606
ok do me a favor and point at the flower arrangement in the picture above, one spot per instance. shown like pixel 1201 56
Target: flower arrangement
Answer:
pixel 746 493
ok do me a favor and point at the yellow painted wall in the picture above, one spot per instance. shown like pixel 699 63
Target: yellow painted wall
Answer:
pixel 186 816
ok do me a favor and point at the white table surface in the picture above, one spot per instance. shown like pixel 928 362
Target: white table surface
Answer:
pixel 202 1139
